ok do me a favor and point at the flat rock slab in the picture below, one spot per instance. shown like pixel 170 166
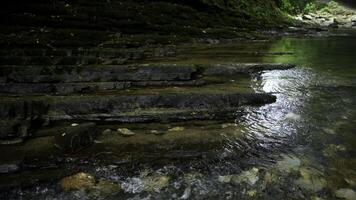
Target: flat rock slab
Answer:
pixel 153 115
pixel 175 140
pixel 20 114
pixel 238 68
pixel 86 87
pixel 96 73
pixel 116 105
pixel 112 73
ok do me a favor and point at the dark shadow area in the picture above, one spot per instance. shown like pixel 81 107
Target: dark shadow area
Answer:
pixel 351 3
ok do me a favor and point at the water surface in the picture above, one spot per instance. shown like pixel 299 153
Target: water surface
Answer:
pixel 301 147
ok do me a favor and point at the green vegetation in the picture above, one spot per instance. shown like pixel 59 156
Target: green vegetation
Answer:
pixel 297 6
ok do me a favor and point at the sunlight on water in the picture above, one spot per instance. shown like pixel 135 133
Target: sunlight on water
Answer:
pixel 301 147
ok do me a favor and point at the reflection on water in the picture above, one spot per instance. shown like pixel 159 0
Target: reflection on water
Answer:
pixel 301 147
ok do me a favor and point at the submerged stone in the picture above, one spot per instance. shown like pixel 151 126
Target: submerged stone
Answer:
pixel 155 183
pixel 288 164
pixel 345 193
pixel 225 179
pixel 74 138
pixel 125 132
pixel 252 193
pixel 250 177
pixel 77 181
pixel 192 177
pixel 107 132
pixel 228 125
pixel 12 141
pixel 293 116
pixel 187 192
pixel 329 131
pixel 332 150
pixel 176 129
pixel 104 188
pixel 9 168
pixel 311 180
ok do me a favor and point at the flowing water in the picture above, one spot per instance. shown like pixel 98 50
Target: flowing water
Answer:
pixel 301 147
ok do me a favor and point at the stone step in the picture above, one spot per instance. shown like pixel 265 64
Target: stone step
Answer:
pixel 151 115
pixel 143 72
pixel 143 141
pixel 86 87
pixel 98 73
pixel 50 60
pixel 91 52
pixel 19 115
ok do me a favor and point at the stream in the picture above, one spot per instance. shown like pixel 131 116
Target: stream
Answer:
pixel 301 147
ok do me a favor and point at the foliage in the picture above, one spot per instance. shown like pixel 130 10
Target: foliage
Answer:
pixel 310 7
pixel 331 7
pixel 296 6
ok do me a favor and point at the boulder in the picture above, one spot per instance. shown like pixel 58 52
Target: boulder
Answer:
pixel 74 138
pixel 77 181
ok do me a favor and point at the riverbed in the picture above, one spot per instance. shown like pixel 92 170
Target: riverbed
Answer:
pixel 300 147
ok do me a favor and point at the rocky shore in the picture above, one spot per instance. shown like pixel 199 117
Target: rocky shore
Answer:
pixel 81 85
pixel 333 15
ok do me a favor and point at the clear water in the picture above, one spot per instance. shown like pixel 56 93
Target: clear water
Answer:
pixel 301 147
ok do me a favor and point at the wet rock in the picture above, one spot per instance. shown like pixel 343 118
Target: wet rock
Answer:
pixel 87 87
pixel 311 180
pixel 107 132
pixel 156 132
pixel 77 181
pixel 308 17
pixel 269 178
pixel 91 73
pixel 252 193
pixel 243 68
pixel 18 115
pixel 155 183
pixel 187 192
pixel 250 177
pixel 350 181
pixel 332 150
pixel 192 177
pixel 329 131
pixel 74 138
pixel 103 189
pixel 125 132
pixel 121 107
pixel 228 125
pixel 293 116
pixel 11 141
pixel 176 129
pixel 345 193
pixel 9 167
pixel 288 164
pixel 146 183
pixel 225 179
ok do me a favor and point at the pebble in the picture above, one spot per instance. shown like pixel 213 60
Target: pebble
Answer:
pixel 176 129
pixel 250 177
pixel 77 182
pixel 288 164
pixel 125 132
pixel 106 132
pixel 345 193
pixel 293 116
pixel 311 180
